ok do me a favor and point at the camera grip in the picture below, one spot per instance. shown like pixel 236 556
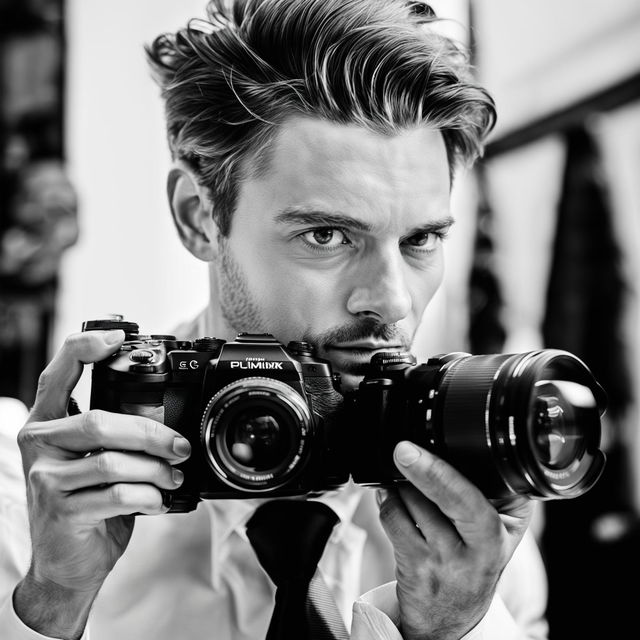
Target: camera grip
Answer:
pixel 326 401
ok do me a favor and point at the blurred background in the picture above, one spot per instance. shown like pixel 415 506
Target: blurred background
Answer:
pixel 545 252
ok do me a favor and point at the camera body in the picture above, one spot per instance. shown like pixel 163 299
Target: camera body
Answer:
pixel 268 420
pixel 253 410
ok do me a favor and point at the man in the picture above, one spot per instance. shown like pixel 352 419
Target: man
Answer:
pixel 314 145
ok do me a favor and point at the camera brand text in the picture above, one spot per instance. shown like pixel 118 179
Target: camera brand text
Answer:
pixel 236 364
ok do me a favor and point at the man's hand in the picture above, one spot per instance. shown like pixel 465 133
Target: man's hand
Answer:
pixel 450 544
pixel 86 474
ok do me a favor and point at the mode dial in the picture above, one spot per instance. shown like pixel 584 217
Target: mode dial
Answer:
pixel 208 344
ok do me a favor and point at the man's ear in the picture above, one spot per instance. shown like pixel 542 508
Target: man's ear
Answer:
pixel 192 212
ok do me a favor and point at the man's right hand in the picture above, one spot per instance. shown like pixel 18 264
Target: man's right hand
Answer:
pixel 86 475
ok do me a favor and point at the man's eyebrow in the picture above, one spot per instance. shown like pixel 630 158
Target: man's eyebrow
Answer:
pixel 435 225
pixel 318 217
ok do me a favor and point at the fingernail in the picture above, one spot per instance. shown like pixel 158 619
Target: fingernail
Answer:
pixel 406 454
pixel 178 476
pixel 181 447
pixel 114 336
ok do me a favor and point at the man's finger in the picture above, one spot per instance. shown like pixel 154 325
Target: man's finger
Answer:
pixel 458 499
pixel 61 375
pixel 109 467
pixel 436 528
pixel 398 524
pixel 97 429
pixel 96 505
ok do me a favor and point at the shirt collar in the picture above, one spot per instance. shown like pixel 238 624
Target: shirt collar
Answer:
pixel 229 516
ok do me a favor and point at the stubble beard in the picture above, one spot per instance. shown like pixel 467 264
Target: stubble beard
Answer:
pixel 241 313
pixel 238 307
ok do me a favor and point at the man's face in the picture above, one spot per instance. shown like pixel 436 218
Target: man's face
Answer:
pixel 339 242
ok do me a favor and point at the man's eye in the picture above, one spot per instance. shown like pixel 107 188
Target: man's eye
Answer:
pixel 325 237
pixel 424 241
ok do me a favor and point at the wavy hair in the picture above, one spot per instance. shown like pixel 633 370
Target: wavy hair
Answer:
pixel 230 80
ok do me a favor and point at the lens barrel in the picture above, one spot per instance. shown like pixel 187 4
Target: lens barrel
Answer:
pixel 521 423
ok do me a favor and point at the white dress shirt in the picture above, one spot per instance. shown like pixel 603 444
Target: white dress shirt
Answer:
pixel 194 576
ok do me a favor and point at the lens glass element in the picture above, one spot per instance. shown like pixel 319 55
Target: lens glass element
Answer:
pixel 558 435
pixel 256 440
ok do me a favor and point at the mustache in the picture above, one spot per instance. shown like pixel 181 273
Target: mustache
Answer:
pixel 362 330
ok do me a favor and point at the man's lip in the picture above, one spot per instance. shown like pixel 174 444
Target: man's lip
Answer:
pixel 364 346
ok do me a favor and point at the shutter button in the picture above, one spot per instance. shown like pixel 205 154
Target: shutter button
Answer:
pixel 142 356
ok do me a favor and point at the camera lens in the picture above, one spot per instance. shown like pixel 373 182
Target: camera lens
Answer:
pixel 527 422
pixel 256 434
pixel 256 440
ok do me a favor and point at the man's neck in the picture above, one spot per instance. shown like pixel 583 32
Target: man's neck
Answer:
pixel 205 324
pixel 210 322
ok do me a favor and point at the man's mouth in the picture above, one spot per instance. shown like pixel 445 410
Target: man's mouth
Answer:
pixel 351 359
pixel 360 350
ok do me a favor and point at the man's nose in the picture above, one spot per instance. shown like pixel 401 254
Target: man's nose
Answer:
pixel 380 289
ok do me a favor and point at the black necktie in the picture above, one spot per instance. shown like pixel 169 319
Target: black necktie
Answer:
pixel 288 537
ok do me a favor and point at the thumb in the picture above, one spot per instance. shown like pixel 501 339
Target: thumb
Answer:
pixel 61 375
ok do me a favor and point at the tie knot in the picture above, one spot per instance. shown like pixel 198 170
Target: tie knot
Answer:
pixel 289 536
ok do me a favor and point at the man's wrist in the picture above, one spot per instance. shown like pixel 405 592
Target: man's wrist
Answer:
pixel 51 609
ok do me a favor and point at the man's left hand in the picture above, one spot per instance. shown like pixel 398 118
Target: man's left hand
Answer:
pixel 450 543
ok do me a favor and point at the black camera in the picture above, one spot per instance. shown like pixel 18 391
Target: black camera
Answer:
pixel 252 410
pixel 268 420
